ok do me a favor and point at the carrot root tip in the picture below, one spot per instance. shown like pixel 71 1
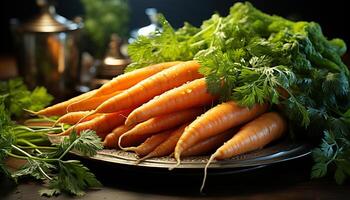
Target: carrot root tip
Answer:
pixel 128 148
pixel 138 161
pixel 171 155
pixel 30 111
pixel 178 162
pixel 206 172
pixel 55 123
pixel 120 143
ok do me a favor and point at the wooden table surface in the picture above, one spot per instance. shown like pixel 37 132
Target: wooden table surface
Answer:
pixel 288 180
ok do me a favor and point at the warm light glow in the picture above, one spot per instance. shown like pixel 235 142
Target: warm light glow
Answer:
pixel 147 30
pixel 62 54
pixel 114 61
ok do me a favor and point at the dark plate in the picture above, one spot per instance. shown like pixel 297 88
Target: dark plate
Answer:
pixel 279 152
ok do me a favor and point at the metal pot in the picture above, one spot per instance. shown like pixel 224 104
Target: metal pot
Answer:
pixel 47 51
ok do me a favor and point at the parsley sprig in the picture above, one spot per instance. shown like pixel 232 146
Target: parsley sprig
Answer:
pixel 49 164
pixel 44 161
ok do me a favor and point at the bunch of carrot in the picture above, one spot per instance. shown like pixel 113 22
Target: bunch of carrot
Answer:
pixel 165 109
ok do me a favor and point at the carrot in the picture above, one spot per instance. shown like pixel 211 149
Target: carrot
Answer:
pixel 90 103
pixel 209 144
pixel 254 135
pixel 152 86
pixel 189 95
pixel 216 120
pixel 132 141
pixel 111 140
pixel 74 117
pixel 61 108
pixel 130 79
pixel 151 143
pixel 103 124
pixel 161 123
pixel 168 146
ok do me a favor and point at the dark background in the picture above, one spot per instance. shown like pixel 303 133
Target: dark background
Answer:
pixel 331 15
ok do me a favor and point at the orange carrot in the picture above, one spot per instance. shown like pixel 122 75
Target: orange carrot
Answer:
pixel 90 103
pixel 132 141
pixel 74 117
pixel 61 108
pixel 130 79
pixel 216 120
pixel 161 123
pixel 209 144
pixel 167 147
pixel 254 135
pixel 152 86
pixel 151 143
pixel 111 140
pixel 189 95
pixel 103 124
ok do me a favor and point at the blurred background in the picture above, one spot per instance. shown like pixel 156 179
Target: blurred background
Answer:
pixel 331 15
pixel 110 24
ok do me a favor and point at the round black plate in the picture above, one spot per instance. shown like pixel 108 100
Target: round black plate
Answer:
pixel 279 152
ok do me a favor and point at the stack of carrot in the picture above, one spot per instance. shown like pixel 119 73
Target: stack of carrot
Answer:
pixel 165 109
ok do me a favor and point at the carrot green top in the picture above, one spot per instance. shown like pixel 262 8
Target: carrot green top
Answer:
pixel 252 57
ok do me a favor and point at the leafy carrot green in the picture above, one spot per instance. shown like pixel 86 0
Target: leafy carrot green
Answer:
pixel 251 57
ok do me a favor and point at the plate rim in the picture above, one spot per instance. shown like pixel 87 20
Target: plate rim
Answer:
pixel 300 150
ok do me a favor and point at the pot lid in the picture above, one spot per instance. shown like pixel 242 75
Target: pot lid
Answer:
pixel 48 21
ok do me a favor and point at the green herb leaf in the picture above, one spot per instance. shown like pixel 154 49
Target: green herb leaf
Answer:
pixel 47 164
pixel 39 99
pixel 73 178
pixel 17 97
pixel 6 137
pixel 49 192
pixel 88 143
pixel 37 169
pixel 163 45
pixel 339 176
pixel 318 170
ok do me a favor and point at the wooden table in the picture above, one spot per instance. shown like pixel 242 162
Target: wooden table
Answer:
pixel 289 180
